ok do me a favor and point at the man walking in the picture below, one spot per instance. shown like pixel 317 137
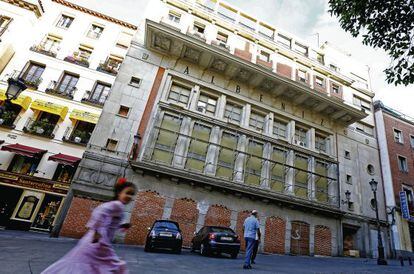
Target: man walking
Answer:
pixel 256 246
pixel 250 228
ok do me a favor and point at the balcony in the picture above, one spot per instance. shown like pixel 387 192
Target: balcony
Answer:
pixel 109 68
pixel 221 45
pixel 52 52
pixel 78 60
pixel 9 119
pixel 55 88
pixel 197 35
pixel 77 136
pixel 41 127
pixel 87 99
pixel 30 80
pixel 171 42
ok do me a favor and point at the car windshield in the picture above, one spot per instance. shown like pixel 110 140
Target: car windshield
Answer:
pixel 221 229
pixel 165 225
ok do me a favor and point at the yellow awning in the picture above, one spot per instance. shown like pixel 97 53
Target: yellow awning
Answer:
pixel 50 107
pixel 23 100
pixel 85 116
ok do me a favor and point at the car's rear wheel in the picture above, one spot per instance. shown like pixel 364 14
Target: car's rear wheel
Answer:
pixel 203 250
pixel 147 248
pixel 234 255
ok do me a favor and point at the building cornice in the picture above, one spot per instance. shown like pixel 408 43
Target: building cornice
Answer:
pixel 36 8
pixel 96 14
pixel 378 105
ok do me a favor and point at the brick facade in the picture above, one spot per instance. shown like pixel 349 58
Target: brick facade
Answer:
pixel 284 70
pixel 149 206
pixel 218 215
pixel 274 241
pixel 78 215
pixel 323 241
pixel 185 212
pixel 299 240
pixel 241 216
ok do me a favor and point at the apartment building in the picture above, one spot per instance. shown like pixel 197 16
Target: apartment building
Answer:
pixel 215 113
pixel 396 143
pixel 68 57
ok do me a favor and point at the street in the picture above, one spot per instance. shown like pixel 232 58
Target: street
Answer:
pixel 29 252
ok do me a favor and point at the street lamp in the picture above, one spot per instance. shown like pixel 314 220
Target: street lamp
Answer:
pixel 381 259
pixel 347 199
pixel 16 86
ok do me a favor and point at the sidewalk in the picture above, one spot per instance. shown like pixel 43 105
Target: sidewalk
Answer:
pixel 31 252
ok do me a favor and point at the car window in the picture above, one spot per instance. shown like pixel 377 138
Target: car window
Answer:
pixel 165 225
pixel 221 229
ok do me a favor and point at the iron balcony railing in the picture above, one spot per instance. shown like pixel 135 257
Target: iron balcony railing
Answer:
pixel 9 119
pixel 88 98
pixel 41 48
pixel 41 127
pixel 56 88
pixel 30 80
pixel 107 67
pixel 77 136
pixel 78 60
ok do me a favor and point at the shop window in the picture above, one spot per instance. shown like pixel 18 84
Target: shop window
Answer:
pixel 64 173
pixel 27 206
pixel 253 166
pixel 280 129
pixel 197 150
pixel 99 93
pixel 227 155
pixel 32 74
pixel 166 140
pixel 398 136
pixel 24 165
pixel 233 112
pixel 64 21
pixel 174 17
pixel 47 213
pixel 402 164
pixel 95 31
pixel 111 144
pixel 256 121
pixel 321 182
pixel 44 125
pixel 82 132
pixel 301 176
pixel 179 94
pixel 207 104
pixel 277 167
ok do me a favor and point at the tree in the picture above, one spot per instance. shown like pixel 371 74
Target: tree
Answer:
pixel 385 24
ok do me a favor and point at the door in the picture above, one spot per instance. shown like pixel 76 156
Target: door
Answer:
pixel 48 210
pixel 8 202
pixel 299 238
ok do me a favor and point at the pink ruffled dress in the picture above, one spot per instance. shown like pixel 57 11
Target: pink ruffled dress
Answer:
pixel 95 258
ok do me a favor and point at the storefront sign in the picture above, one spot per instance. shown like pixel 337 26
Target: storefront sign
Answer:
pixel 404 205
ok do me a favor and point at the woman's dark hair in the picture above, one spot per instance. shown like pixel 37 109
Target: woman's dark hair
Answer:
pixel 120 185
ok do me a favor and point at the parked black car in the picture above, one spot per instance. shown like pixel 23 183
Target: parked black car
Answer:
pixel 164 234
pixel 216 239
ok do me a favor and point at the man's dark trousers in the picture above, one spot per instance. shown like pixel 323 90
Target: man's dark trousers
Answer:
pixel 255 249
pixel 249 250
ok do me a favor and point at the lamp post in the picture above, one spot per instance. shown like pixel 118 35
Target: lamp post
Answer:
pixel 381 260
pixel 15 87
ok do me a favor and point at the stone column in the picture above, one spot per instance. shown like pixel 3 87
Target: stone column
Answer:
pixel 265 173
pixel 311 239
pixel 333 185
pixel 240 159
pixel 213 151
pixel 288 234
pixel 311 179
pixel 194 95
pixel 182 143
pixel 221 106
pixel 290 173
pixel 310 138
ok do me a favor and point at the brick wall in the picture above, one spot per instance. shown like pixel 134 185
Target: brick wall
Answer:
pixel 274 241
pixel 149 206
pixel 284 70
pixel 218 215
pixel 241 216
pixel 78 215
pixel 299 241
pixel 244 53
pixel 185 212
pixel 323 240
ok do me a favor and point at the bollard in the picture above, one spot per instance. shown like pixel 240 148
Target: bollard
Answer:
pixel 409 261
pixel 401 260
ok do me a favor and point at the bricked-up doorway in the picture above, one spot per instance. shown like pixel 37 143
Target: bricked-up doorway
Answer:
pixel 350 240
pixel 299 238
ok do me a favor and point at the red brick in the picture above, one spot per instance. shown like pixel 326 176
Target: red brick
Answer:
pixel 185 212
pixel 241 216
pixel 323 241
pixel 284 70
pixel 218 215
pixel 244 54
pixel 78 215
pixel 274 241
pixel 337 95
pixel 149 206
pixel 317 87
pixel 299 240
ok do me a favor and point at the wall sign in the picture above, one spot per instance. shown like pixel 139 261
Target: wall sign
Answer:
pixel 404 205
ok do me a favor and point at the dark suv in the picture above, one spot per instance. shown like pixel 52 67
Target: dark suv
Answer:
pixel 216 239
pixel 164 234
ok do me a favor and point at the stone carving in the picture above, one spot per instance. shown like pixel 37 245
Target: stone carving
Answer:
pixel 219 65
pixel 162 42
pixel 192 54
pixel 243 75
pixel 267 85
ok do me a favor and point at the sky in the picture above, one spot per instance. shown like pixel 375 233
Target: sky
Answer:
pixel 303 18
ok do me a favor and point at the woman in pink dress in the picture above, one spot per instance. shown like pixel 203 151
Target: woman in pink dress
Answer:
pixel 94 253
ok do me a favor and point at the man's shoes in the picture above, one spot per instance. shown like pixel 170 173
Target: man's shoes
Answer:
pixel 247 267
pixel 253 262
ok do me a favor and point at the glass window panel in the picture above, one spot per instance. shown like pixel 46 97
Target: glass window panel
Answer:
pixel 206 104
pixel 254 163
pixel 277 182
pixel 227 155
pixel 279 129
pixel 301 176
pixel 256 121
pixel 198 147
pixel 321 181
pixel 167 139
pixel 179 94
pixel 233 112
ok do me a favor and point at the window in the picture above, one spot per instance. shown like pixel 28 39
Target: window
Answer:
pixel 4 23
pixel 84 52
pixel 321 143
pixel 95 31
pixel 222 38
pixel 412 141
pixel 233 112
pixel 253 168
pixel 402 164
pixel 174 17
pixel 277 167
pixel 320 58
pixel 227 155
pixel 199 28
pixel 335 88
pixel 410 198
pixel 319 82
pixel 300 137
pixel 31 75
pixel 206 104
pixel 123 111
pixel 64 173
pixel 67 84
pixel 347 154
pixel 321 184
pixel 301 49
pixel 301 176
pixel 398 137
pixel 363 104
pixel 264 56
pixel 363 128
pixel 370 169
pixel 167 139
pixel 99 93
pixel 179 94
pixel 349 179
pixel 135 82
pixel 256 121
pixel 284 40
pixel 279 129
pixel 334 67
pixel 51 44
pixel 111 144
pixel 64 21
pixel 24 165
pixel 81 132
pixel 302 75
pixel 44 125
pixel 197 150
pixel 266 31
pixel 226 13
pixel 247 22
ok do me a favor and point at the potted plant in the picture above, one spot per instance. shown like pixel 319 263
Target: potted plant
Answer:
pixel 80 136
pixel 41 127
pixel 7 118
